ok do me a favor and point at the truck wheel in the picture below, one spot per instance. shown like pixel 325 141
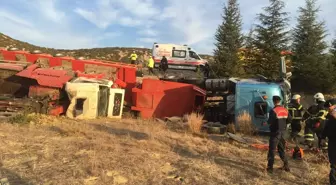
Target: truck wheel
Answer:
pixel 215 128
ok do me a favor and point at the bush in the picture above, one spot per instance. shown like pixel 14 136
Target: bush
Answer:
pixel 245 125
pixel 195 122
pixel 22 118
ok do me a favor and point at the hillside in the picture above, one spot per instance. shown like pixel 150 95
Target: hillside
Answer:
pixel 51 150
pixel 108 53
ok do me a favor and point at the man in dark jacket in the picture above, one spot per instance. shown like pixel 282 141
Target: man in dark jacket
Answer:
pixel 329 132
pixel 164 64
pixel 278 120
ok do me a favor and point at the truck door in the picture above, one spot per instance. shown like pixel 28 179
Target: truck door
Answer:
pixel 260 109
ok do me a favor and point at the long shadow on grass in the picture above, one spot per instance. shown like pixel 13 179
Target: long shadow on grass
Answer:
pixel 121 132
pixel 58 130
pixel 12 178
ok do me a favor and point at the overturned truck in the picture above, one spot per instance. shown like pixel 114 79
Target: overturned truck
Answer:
pixel 50 84
pixel 86 88
pixel 228 100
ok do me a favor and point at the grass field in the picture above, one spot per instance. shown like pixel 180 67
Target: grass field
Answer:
pixel 50 150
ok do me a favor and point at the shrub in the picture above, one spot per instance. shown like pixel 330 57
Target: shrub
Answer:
pixel 22 118
pixel 244 123
pixel 195 122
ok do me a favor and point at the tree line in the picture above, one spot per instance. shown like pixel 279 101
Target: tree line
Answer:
pixel 312 63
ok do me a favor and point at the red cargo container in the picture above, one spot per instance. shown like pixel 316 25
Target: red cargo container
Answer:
pixel 161 99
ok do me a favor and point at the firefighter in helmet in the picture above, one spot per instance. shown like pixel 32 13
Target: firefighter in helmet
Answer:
pixel 295 109
pixel 315 118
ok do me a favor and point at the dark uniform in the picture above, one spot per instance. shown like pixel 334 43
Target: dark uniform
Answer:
pixel 329 132
pixel 296 111
pixel 206 70
pixel 164 64
pixel 278 120
pixel 315 121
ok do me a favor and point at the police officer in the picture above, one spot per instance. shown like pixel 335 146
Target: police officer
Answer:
pixel 315 118
pixel 329 132
pixel 295 109
pixel 278 120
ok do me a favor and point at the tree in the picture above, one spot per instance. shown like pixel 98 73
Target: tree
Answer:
pixel 271 38
pixel 308 45
pixel 250 52
pixel 228 41
pixel 333 52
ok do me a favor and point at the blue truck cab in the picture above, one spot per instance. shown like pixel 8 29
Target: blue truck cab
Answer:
pixel 229 98
pixel 255 98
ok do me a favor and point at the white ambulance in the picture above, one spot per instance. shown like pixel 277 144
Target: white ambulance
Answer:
pixel 178 56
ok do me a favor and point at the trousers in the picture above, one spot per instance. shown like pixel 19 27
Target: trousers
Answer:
pixel 332 161
pixel 277 143
pixel 150 70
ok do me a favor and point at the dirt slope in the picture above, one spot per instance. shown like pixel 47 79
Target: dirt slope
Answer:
pixel 59 151
pixel 117 54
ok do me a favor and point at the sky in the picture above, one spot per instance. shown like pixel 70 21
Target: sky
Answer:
pixel 74 24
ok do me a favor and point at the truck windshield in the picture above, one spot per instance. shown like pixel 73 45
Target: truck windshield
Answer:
pixel 192 54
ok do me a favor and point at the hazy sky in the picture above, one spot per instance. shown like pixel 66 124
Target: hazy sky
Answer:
pixel 75 24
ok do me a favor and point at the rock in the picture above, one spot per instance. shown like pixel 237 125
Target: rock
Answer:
pixel 117 178
pixel 160 121
pixel 4 181
pixel 90 180
pixel 120 179
pixel 174 119
pixel 112 173
pixel 167 168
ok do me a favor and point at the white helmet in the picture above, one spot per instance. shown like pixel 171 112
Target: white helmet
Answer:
pixel 319 97
pixel 296 96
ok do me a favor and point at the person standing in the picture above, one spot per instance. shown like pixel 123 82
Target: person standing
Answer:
pixel 295 109
pixel 164 64
pixel 150 65
pixel 278 120
pixel 133 57
pixel 329 132
pixel 315 118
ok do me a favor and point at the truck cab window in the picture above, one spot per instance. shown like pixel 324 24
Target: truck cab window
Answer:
pixel 194 55
pixel 260 109
pixel 179 53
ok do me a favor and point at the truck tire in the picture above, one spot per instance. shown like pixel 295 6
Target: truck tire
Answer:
pixel 215 128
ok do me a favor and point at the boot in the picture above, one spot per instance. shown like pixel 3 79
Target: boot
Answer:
pixel 269 170
pixel 286 167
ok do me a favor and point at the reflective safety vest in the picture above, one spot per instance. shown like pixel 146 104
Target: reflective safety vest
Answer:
pixel 134 56
pixel 281 112
pixel 322 114
pixel 296 113
pixel 150 62
pixel 309 137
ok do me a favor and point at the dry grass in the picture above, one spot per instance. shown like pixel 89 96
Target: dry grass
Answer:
pixel 244 124
pixel 195 122
pixel 135 152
